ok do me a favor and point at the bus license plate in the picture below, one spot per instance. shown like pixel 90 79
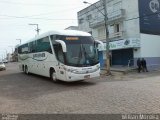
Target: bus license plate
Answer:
pixel 87 76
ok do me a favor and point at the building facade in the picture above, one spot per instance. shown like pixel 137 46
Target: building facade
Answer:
pixel 133 26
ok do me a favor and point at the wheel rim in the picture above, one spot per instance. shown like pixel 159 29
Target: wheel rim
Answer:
pixel 54 78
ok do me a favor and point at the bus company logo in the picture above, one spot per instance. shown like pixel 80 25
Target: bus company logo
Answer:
pixel 154 6
pixel 127 42
pixel 39 55
pixel 86 69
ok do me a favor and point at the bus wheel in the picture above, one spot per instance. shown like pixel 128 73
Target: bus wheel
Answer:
pixel 53 76
pixel 26 70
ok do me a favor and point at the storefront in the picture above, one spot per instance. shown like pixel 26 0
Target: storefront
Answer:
pixel 122 57
pixel 122 51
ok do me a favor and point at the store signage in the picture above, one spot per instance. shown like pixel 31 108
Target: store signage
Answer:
pixel 125 43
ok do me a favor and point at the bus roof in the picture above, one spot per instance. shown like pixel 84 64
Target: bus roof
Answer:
pixel 59 32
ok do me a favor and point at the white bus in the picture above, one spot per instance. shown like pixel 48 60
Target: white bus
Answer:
pixel 66 55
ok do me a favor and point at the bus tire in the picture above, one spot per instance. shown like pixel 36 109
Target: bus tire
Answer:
pixel 26 70
pixel 53 75
pixel 23 68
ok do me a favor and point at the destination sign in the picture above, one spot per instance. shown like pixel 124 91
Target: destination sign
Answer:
pixel 72 38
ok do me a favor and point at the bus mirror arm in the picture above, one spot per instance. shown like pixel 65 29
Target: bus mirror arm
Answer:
pixel 63 44
pixel 101 47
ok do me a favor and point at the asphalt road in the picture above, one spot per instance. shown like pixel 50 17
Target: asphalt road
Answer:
pixel 25 94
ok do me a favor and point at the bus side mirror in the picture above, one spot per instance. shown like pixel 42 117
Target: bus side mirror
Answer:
pixel 100 45
pixel 63 44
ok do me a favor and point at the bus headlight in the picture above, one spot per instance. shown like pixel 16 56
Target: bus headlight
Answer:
pixel 69 70
pixel 98 66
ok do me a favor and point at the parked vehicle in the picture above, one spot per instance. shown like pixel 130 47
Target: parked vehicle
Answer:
pixel 5 61
pixel 2 66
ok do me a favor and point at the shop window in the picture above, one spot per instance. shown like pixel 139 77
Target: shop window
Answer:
pixel 81 21
pixel 117 27
pixel 32 47
pixel 89 17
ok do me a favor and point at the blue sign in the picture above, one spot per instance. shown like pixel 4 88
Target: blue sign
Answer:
pixel 149 12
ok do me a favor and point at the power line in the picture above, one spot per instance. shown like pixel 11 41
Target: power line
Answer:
pixel 40 18
pixel 31 4
pixel 41 14
pixel 34 18
pixel 147 15
pixel 64 10
pixel 27 17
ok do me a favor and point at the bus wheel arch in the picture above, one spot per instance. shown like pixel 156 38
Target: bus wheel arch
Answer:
pixel 53 74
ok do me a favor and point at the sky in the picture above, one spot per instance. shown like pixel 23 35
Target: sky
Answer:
pixel 16 15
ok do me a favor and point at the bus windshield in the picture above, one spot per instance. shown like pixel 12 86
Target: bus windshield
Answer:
pixel 81 51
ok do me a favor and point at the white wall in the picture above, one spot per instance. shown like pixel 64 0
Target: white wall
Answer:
pixel 150 45
pixel 99 33
pixel 137 53
pixel 130 23
pixel 131 26
pixel 93 11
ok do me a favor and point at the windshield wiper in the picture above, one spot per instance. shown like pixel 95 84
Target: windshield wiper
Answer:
pixel 80 57
pixel 86 56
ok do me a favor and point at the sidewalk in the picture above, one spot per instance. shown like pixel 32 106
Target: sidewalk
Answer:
pixel 131 75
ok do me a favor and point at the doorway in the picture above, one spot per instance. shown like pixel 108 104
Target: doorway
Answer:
pixel 121 57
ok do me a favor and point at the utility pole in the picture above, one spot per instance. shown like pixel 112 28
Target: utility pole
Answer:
pixel 107 33
pixel 37 28
pixel 107 40
pixel 6 53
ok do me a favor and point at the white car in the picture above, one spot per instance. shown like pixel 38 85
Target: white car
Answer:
pixel 2 66
pixel 5 61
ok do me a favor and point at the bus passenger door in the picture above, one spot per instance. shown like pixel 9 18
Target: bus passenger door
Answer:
pixel 60 65
pixel 61 72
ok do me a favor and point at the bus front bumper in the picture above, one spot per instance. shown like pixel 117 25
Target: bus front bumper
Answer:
pixel 71 77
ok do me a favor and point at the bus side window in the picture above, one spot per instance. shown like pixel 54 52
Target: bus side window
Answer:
pixel 43 45
pixel 32 47
pixel 24 49
pixel 19 49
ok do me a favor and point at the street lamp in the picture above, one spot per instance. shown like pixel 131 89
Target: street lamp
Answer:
pixel 19 40
pixel 37 28
pixel 85 2
pixel 106 30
